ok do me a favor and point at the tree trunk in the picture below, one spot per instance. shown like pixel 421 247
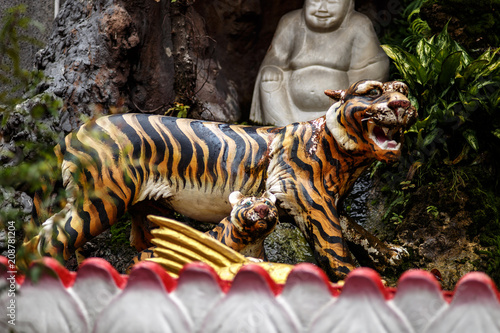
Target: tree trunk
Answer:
pixel 109 56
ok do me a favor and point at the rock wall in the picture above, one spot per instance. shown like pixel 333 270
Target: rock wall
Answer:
pixel 43 12
pixel 108 56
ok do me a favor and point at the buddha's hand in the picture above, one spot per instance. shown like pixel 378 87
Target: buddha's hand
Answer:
pixel 271 78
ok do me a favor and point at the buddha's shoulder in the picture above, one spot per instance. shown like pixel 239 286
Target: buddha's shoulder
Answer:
pixel 292 17
pixel 359 19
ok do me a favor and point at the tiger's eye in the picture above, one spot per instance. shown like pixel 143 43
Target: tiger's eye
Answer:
pixel 374 92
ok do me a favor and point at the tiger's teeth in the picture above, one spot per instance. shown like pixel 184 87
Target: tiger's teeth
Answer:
pixel 394 145
pixel 386 130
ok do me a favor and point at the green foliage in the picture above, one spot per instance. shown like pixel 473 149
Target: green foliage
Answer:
pixel 27 158
pixel 397 218
pixel 433 211
pixel 179 109
pixel 457 95
pixel 457 98
pixel 120 231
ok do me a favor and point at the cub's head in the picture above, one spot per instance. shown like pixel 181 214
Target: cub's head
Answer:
pixel 370 117
pixel 254 217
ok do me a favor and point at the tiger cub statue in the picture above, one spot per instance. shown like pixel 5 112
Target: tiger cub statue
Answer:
pixel 112 164
pixel 252 219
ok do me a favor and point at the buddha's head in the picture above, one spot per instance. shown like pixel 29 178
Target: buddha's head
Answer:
pixel 326 15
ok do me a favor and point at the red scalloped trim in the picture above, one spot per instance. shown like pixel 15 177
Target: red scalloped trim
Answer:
pixel 168 281
pixel 273 286
pixel 67 277
pixel 120 280
pixel 205 268
pixel 480 278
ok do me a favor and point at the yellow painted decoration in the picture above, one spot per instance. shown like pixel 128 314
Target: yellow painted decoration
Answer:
pixel 178 244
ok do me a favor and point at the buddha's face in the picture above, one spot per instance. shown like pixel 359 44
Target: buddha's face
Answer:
pixel 325 15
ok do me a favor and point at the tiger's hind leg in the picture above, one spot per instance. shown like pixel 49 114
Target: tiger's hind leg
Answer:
pixel 98 187
pixel 92 207
pixel 62 234
pixel 142 256
pixel 140 235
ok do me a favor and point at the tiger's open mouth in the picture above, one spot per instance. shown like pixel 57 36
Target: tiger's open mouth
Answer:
pixel 384 137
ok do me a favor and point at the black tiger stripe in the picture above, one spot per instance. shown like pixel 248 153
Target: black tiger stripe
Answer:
pixel 238 159
pixel 87 153
pixel 301 164
pixel 186 148
pixel 261 143
pixel 133 137
pixel 150 132
pixel 74 233
pixel 213 144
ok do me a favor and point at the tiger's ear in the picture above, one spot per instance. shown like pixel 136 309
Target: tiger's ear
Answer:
pixel 269 196
pixel 335 94
pixel 235 197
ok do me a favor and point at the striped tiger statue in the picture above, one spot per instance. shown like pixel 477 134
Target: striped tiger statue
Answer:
pixel 115 163
pixel 251 220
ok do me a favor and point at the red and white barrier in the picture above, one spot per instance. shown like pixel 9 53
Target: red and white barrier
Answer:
pixel 98 299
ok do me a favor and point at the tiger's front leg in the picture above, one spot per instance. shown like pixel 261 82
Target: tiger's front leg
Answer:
pixel 322 230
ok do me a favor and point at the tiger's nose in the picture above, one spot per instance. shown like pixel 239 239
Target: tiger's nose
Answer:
pixel 262 210
pixel 398 103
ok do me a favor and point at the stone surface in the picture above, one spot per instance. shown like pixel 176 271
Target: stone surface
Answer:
pixel 96 65
pixel 41 11
pixel 237 36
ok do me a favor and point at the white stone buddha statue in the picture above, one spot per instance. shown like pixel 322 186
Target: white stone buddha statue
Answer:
pixel 325 45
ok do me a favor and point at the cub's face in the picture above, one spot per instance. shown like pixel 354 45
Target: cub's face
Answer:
pixel 371 117
pixel 255 217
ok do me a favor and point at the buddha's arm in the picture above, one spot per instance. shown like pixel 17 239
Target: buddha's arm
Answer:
pixel 270 103
pixel 282 44
pixel 368 60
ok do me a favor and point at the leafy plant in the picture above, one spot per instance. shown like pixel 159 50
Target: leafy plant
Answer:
pixel 181 110
pixel 397 218
pixel 457 94
pixel 26 155
pixel 457 99
pixel 433 211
